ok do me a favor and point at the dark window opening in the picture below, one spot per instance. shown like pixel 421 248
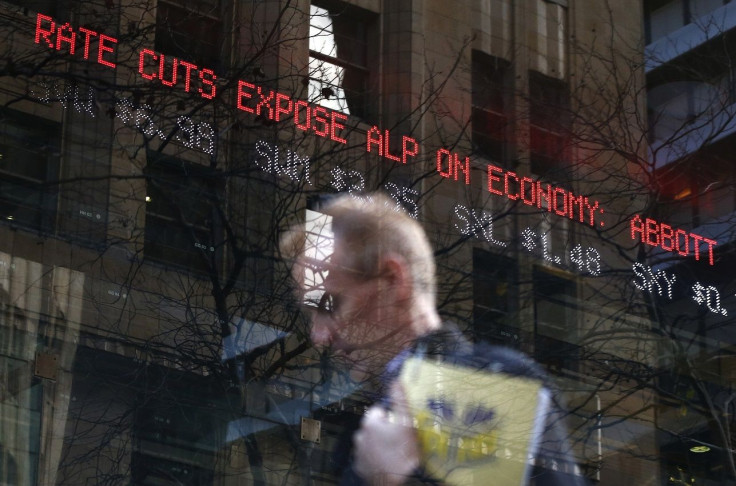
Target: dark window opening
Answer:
pixel 53 8
pixel 29 167
pixel 251 255
pixel 192 31
pixel 662 17
pixel 701 190
pixel 339 58
pixel 175 442
pixel 549 112
pixel 555 322
pixel 495 296
pixel 182 221
pixel 696 452
pixel 490 105
pixel 177 419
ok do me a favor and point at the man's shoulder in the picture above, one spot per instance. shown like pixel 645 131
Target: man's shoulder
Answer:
pixel 450 345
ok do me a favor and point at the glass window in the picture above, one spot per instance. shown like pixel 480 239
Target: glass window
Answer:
pixel 495 297
pixel 319 246
pixel 29 160
pixel 184 429
pixel 699 8
pixel 181 214
pixel 664 17
pixel 549 108
pixel 555 321
pixel 338 60
pixel 490 108
pixel 171 418
pixel 699 192
pixel 46 7
pixel 192 31
pixel 692 91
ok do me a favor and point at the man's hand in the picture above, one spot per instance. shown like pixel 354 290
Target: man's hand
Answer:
pixel 386 449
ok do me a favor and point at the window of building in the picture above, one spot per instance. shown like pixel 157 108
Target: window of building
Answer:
pixel 251 251
pixel 490 105
pixel 549 34
pixel 699 192
pixel 662 17
pixel 681 462
pixel 699 8
pixel 555 321
pixel 318 246
pixel 174 417
pixel 495 297
pixel 191 30
pixel 339 58
pixel 549 112
pixel 672 108
pixel 53 8
pixel 182 221
pixel 175 441
pixel 29 165
pixel 692 91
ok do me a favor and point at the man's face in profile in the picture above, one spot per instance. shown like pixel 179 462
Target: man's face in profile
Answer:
pixel 348 313
pixel 346 307
pixel 349 307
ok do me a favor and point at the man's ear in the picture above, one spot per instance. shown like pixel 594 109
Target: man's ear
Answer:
pixel 395 270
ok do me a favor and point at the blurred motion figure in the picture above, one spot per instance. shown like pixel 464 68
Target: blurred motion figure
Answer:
pixel 366 275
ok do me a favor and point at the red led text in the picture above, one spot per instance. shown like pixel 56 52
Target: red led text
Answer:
pixel 532 192
pixel 670 239
pixel 64 36
pixel 278 107
pixel 170 71
pixel 374 137
pixel 449 165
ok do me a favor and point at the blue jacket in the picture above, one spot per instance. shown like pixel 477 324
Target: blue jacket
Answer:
pixel 450 346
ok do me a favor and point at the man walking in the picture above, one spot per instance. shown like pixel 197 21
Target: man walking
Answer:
pixel 367 274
